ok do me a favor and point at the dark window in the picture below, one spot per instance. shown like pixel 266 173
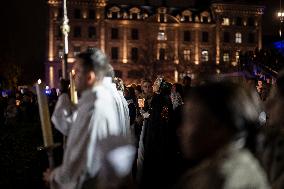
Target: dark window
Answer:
pixel 250 21
pixel 59 73
pixel 226 37
pixel 77 31
pixel 114 33
pixel 205 37
pixel 77 50
pixel 135 34
pixel 186 18
pixel 136 74
pixel 118 73
pixel 134 16
pixel 205 19
pixel 92 32
pixel 187 36
pixel 60 13
pixel 162 53
pixel 114 53
pixel 114 15
pixel 162 18
pixel 239 21
pixel 92 14
pixel 59 32
pixel 251 38
pixel 134 54
pixel 77 13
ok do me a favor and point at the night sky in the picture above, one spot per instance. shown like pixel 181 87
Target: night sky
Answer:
pixel 24 27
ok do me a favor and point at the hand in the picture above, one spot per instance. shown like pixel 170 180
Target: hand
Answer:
pixel 46 176
pixel 146 115
pixel 64 85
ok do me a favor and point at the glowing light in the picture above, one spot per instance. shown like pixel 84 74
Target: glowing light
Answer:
pixel 84 14
pixel 124 60
pixel 176 76
pixel 39 81
pixel 47 87
pixel 71 60
pixel 73 72
pixel 51 76
pixel 218 71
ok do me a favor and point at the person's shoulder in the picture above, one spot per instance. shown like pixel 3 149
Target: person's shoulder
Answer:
pixel 242 169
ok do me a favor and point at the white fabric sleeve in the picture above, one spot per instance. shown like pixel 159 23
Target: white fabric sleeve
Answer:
pixel 63 114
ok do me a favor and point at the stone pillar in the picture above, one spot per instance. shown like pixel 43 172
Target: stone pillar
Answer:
pixel 102 36
pixel 259 34
pixel 218 41
pixel 196 47
pixel 176 55
pixel 51 35
pixel 124 53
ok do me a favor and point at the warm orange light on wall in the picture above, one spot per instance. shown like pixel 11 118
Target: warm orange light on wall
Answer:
pixel 51 76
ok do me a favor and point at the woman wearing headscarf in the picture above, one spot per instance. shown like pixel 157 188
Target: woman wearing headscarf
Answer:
pixel 159 139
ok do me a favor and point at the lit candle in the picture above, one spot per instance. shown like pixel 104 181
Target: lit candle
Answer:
pixel 73 92
pixel 141 102
pixel 44 115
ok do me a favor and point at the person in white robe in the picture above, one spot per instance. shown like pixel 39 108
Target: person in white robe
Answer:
pixel 93 120
pixel 121 104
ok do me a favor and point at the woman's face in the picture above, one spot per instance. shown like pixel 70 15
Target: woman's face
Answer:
pixel 156 86
pixel 173 89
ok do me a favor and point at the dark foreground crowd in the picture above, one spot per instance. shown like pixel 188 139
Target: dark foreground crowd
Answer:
pixel 216 134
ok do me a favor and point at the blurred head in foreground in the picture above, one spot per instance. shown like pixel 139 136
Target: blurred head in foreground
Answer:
pixel 216 114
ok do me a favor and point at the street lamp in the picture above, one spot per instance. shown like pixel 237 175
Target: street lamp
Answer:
pixel 280 15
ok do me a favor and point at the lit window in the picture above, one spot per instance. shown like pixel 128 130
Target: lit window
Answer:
pixel 237 56
pixel 204 56
pixel 186 54
pixel 238 37
pixel 162 36
pixel 226 57
pixel 226 22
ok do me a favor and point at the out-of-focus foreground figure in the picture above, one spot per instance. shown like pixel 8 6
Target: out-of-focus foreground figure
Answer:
pixel 218 121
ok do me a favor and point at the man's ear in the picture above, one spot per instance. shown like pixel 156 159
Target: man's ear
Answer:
pixel 91 78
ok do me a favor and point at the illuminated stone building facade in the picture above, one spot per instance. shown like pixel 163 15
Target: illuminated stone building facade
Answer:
pixel 154 37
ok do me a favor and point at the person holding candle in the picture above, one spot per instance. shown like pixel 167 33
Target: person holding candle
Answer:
pixel 92 121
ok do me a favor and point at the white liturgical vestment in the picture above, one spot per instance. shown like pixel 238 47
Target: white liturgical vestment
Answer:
pixel 121 106
pixel 94 120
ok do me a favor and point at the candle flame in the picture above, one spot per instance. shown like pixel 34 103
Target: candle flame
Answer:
pixel 39 81
pixel 73 72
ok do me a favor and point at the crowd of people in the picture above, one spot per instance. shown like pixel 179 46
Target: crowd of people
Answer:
pixel 155 134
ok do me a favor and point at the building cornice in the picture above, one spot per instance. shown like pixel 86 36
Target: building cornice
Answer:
pixel 71 2
pixel 237 9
